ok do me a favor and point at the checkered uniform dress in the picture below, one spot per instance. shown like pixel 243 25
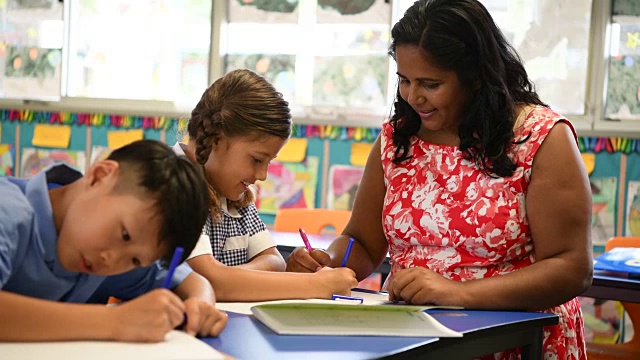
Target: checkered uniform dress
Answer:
pixel 238 236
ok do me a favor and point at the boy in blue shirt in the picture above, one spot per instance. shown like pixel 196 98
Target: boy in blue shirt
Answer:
pixel 62 234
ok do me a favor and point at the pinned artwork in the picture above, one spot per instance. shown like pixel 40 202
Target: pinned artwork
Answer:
pixel 603 209
pixel 7 155
pixel 633 209
pixel 99 153
pixel 35 160
pixel 343 184
pixel 288 185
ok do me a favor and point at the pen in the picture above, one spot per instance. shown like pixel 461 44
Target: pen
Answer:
pixel 175 260
pixel 347 253
pixel 305 239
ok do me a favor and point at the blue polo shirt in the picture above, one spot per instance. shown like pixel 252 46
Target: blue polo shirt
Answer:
pixel 28 262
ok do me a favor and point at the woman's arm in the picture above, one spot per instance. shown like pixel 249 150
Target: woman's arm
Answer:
pixel 365 226
pixel 558 205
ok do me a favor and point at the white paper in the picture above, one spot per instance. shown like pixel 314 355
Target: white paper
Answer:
pixel 177 345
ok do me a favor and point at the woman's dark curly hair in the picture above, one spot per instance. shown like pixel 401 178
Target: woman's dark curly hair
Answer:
pixel 461 36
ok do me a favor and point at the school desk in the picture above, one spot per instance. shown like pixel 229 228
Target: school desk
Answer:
pixel 614 288
pixel 288 241
pixel 485 332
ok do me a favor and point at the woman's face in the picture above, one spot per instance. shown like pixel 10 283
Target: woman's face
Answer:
pixel 237 162
pixel 435 94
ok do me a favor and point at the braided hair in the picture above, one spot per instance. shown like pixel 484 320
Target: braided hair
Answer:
pixel 241 103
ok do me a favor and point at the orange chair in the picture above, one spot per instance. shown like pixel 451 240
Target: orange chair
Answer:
pixel 313 221
pixel 631 349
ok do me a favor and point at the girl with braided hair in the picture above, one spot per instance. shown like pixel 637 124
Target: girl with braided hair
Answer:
pixel 239 126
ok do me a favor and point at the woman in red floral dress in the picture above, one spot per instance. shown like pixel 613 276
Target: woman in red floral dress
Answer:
pixel 475 187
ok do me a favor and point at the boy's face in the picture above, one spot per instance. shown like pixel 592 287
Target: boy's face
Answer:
pixel 235 163
pixel 105 232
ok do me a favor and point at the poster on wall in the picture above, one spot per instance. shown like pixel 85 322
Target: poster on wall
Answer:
pixel 633 209
pixel 31 38
pixel 7 154
pixel 603 209
pixel 343 184
pixel 34 160
pixel 288 185
pixel 99 153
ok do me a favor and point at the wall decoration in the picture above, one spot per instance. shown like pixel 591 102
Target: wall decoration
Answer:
pixel 288 185
pixel 34 160
pixel 343 184
pixel 603 209
pixel 7 154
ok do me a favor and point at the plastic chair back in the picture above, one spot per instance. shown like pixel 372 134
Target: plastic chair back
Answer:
pixel 313 221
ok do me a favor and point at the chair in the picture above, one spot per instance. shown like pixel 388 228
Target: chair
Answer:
pixel 631 349
pixel 313 221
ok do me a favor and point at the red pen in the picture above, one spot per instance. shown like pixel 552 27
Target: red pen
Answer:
pixel 303 235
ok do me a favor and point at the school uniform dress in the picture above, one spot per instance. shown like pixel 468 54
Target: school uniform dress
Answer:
pixel 237 237
pixel 28 262
pixel 444 213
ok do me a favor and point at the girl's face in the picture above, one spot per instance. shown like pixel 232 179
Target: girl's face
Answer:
pixel 436 95
pixel 237 162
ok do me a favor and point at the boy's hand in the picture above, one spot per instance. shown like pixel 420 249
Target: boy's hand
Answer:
pixel 203 319
pixel 337 281
pixel 300 260
pixel 147 318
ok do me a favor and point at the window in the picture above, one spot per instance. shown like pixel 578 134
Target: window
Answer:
pixel 153 50
pixel 552 37
pixel 327 57
pixel 623 87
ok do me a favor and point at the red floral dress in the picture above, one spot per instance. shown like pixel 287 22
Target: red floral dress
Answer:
pixel 444 213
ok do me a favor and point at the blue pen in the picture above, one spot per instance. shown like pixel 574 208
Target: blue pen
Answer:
pixel 175 261
pixel 347 253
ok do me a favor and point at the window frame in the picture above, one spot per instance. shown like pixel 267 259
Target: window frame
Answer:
pixel 592 123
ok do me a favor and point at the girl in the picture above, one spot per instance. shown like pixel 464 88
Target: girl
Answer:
pixel 237 128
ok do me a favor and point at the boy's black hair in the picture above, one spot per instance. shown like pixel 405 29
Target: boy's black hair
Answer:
pixel 177 186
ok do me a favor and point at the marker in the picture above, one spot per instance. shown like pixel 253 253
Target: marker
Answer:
pixel 305 239
pixel 347 253
pixel 175 260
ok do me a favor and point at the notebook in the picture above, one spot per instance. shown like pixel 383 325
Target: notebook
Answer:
pixel 336 318
pixel 177 345
pixel 620 260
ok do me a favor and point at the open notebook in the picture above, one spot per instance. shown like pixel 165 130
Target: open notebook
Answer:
pixel 374 317
pixel 177 345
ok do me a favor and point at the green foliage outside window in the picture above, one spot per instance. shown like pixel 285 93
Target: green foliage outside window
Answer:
pixel 281 6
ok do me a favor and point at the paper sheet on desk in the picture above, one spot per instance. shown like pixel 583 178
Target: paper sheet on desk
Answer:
pixel 369 298
pixel 177 345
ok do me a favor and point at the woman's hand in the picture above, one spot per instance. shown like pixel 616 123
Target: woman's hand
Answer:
pixel 420 286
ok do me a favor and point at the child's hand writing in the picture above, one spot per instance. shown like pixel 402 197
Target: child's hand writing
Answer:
pixel 203 319
pixel 147 318
pixel 300 260
pixel 337 281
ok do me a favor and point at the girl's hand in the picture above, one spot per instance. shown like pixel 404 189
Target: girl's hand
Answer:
pixel 147 318
pixel 203 319
pixel 421 286
pixel 337 281
pixel 300 260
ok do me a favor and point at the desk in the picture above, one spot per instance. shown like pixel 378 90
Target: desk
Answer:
pixel 485 332
pixel 288 241
pixel 614 288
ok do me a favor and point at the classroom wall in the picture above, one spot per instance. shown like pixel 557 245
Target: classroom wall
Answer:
pixel 613 163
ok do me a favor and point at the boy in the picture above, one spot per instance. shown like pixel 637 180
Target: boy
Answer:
pixel 62 234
